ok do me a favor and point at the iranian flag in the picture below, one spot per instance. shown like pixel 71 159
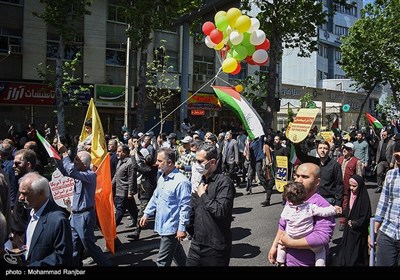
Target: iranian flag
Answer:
pixel 372 120
pixel 251 120
pixel 50 150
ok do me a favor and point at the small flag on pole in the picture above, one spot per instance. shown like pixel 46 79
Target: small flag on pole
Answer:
pixel 372 120
pixel 50 150
pixel 293 157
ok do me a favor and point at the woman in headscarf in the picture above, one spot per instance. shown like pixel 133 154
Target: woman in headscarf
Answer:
pixel 354 245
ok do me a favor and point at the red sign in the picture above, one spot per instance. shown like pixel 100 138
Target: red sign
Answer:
pixel 26 93
pixel 204 101
pixel 198 112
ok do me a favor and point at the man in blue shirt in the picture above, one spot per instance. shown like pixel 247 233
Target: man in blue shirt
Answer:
pixel 171 201
pixel 83 218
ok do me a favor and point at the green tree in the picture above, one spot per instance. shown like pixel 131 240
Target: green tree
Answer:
pixel 64 18
pixel 287 24
pixel 306 101
pixel 143 18
pixel 370 53
pixel 160 83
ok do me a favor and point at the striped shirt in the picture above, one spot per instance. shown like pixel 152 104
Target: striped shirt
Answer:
pixel 388 209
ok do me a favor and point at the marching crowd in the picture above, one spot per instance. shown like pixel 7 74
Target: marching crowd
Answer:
pixel 188 185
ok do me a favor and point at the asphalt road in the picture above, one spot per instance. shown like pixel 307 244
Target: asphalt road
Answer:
pixel 253 228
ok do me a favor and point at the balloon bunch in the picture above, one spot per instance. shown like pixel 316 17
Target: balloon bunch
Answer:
pixel 237 37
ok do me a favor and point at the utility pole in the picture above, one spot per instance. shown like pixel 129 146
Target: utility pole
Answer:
pixel 128 87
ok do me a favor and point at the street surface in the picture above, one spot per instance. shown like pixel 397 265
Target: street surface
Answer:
pixel 253 228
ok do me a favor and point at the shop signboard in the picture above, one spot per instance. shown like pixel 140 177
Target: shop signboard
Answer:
pixel 203 101
pixel 21 93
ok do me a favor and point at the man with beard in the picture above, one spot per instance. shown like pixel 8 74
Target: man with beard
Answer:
pixel 331 186
pixel 24 162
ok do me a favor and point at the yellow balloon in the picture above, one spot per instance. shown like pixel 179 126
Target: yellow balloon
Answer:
pixel 219 46
pixel 229 65
pixel 217 15
pixel 239 88
pixel 232 15
pixel 243 23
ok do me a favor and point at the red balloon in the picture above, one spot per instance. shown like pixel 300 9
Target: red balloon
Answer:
pixel 216 36
pixel 264 46
pixel 224 51
pixel 249 60
pixel 237 70
pixel 208 26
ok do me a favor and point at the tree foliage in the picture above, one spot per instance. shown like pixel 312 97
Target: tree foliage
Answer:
pixel 370 53
pixel 160 83
pixel 63 16
pixel 143 18
pixel 287 24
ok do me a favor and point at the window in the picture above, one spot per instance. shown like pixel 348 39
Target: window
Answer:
pixel 70 51
pixel 115 57
pixel 338 55
pixel 160 54
pixel 116 14
pixel 322 75
pixel 241 75
pixel 340 77
pixel 341 30
pixel 203 65
pixel 10 40
pixel 323 50
pixel 264 70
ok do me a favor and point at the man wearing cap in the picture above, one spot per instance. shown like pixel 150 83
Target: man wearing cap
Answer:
pixel 172 140
pixel 350 166
pixel 185 160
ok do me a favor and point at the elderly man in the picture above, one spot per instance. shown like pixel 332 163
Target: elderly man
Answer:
pixel 48 235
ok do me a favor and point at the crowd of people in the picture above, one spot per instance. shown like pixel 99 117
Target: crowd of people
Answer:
pixel 188 185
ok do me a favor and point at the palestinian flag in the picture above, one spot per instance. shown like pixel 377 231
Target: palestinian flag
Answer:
pixel 293 157
pixel 49 149
pixel 372 120
pixel 251 120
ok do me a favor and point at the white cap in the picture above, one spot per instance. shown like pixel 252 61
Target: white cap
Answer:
pixel 349 145
pixel 187 139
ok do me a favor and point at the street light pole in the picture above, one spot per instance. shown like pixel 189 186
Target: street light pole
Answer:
pixel 128 87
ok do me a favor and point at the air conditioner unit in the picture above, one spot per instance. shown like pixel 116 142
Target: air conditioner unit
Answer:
pixel 200 78
pixel 16 49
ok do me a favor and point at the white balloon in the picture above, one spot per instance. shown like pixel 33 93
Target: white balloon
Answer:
pixel 255 25
pixel 257 37
pixel 260 56
pixel 228 30
pixel 209 43
pixel 235 37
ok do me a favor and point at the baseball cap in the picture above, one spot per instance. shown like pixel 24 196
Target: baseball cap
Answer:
pixel 187 139
pixel 349 145
pixel 172 135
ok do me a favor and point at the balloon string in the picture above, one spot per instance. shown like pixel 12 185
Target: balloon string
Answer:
pixel 180 105
pixel 226 82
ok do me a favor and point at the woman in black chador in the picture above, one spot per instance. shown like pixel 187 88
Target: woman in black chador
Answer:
pixel 354 246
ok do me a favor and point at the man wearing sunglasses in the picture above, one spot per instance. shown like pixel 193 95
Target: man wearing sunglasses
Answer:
pixel 211 213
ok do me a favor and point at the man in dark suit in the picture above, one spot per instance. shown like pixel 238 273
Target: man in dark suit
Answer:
pixel 48 235
pixel 230 157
